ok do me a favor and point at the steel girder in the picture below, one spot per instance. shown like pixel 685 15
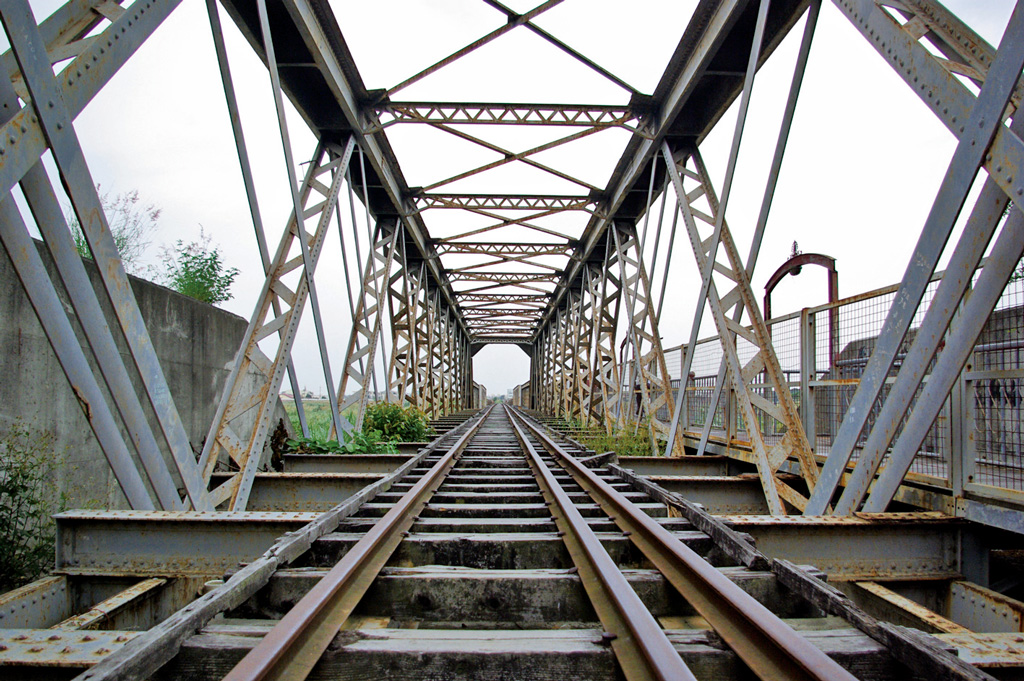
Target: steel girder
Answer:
pixel 650 374
pixel 605 397
pixel 571 403
pixel 440 367
pixel 548 203
pixel 428 348
pixel 985 142
pixel 583 351
pixel 403 377
pixel 591 395
pixel 461 113
pixel 91 41
pixel 359 373
pixel 234 437
pixel 770 402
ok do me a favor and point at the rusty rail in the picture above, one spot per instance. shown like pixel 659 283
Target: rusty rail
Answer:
pixel 295 644
pixel 771 648
pixel 640 644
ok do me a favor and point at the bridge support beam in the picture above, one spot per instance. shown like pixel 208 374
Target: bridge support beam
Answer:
pixel 236 435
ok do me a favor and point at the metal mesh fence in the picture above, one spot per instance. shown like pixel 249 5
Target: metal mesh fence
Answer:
pixel 995 394
pixel 844 338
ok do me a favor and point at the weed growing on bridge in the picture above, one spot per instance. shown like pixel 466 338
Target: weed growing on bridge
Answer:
pixel 355 443
pixel 623 442
pixel 397 423
pixel 383 424
pixel 28 483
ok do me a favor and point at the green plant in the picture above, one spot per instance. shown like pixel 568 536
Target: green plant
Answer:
pixel 623 442
pixel 355 443
pixel 196 270
pixel 28 498
pixel 397 424
pixel 130 224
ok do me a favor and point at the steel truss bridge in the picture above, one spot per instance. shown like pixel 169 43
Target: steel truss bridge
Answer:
pixel 581 299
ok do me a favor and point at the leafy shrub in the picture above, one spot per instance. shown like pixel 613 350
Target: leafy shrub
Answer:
pixel 196 270
pixel 28 498
pixel 397 424
pixel 370 442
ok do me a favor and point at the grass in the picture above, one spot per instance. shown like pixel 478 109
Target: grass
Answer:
pixel 624 442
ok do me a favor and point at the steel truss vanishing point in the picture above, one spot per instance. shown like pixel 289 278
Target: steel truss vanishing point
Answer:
pixel 577 278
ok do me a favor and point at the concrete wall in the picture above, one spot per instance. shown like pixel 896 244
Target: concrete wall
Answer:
pixel 195 342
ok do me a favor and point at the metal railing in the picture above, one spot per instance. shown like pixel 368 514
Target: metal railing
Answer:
pixel 976 444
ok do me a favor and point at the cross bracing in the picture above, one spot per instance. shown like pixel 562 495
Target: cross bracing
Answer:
pixel 505 241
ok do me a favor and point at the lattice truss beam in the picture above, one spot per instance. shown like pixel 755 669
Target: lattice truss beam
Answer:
pixel 770 416
pixel 274 324
pixel 474 266
pixel 562 296
pixel 95 39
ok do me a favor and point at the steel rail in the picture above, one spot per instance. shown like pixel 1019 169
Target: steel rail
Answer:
pixel 295 644
pixel 640 644
pixel 771 648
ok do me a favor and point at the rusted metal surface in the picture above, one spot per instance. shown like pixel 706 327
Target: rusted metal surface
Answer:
pixel 292 648
pixel 107 609
pixel 989 651
pixel 893 546
pixel 908 611
pixel 36 605
pixel 981 609
pixel 164 543
pixel 35 648
pixel 768 646
pixel 299 492
pixel 643 650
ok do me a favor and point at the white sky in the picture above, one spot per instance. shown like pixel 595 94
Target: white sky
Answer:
pixel 863 164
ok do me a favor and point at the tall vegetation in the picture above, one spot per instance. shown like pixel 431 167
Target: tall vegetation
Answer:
pixel 131 223
pixel 383 425
pixel 397 423
pixel 28 499
pixel 196 270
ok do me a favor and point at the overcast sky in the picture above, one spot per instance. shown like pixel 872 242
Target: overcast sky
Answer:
pixel 863 165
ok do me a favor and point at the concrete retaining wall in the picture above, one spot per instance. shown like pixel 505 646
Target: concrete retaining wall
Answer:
pixel 195 342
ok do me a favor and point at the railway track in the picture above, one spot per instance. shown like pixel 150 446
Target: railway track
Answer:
pixel 502 551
